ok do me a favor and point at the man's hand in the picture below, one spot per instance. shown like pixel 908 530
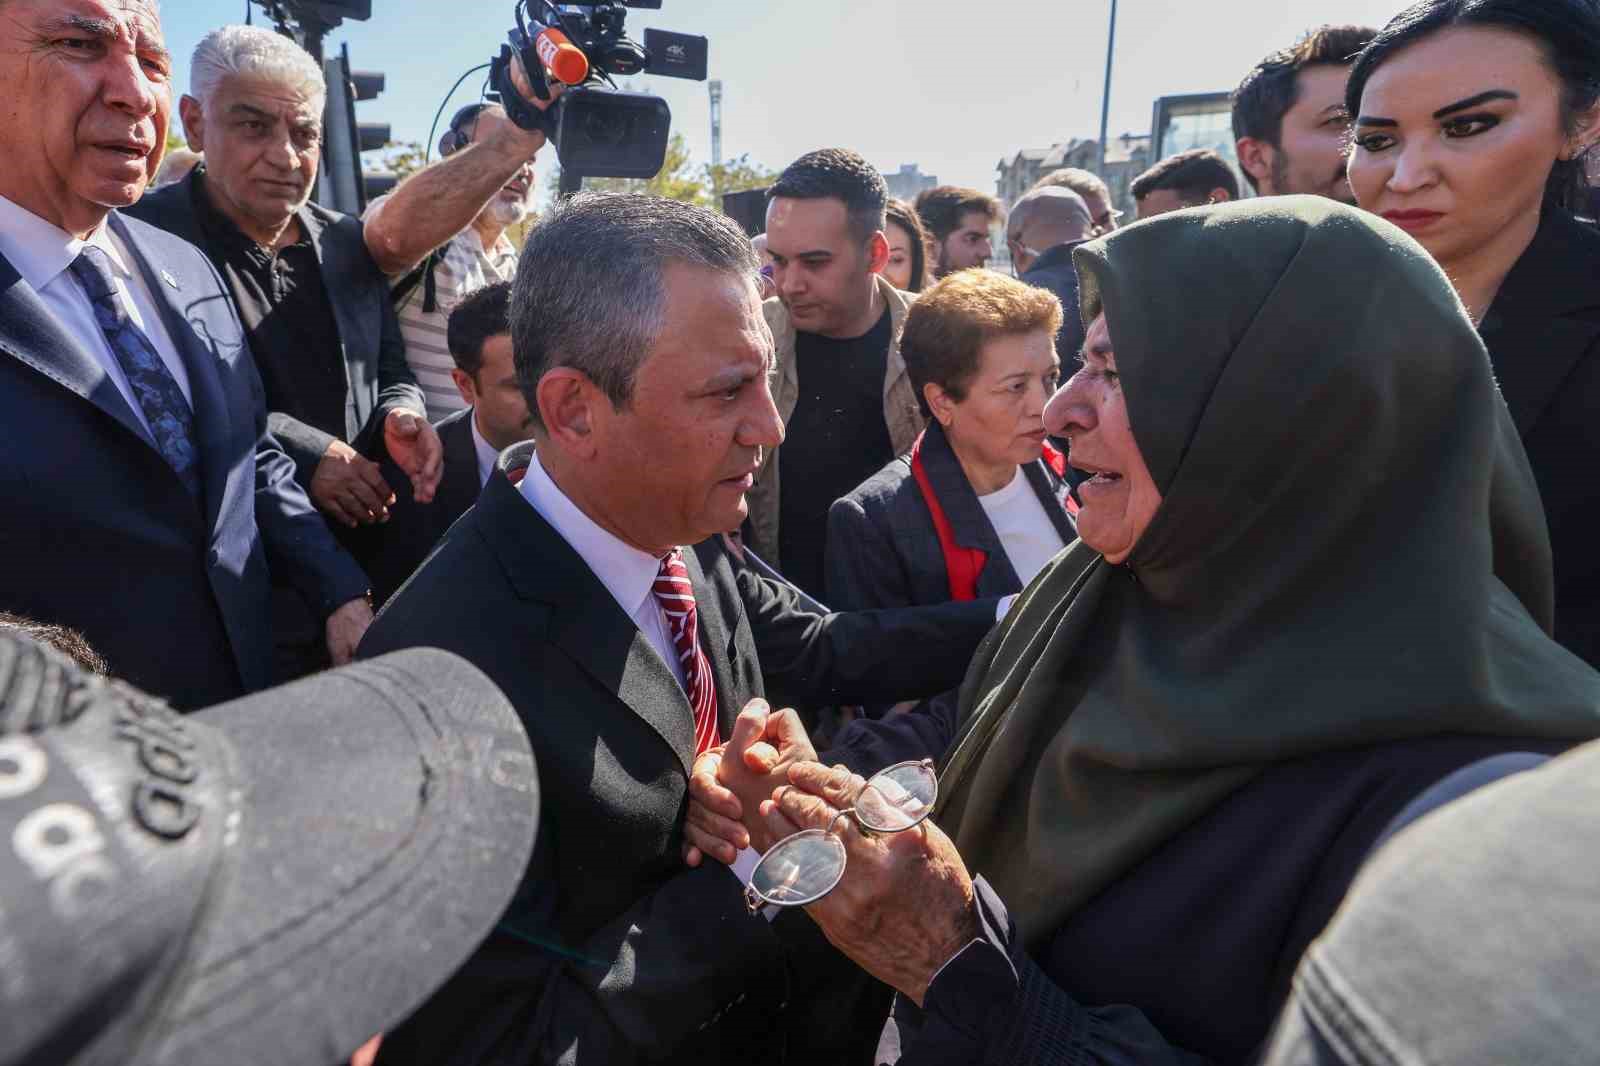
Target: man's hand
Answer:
pixel 345 628
pixel 758 755
pixel 712 826
pixel 349 488
pixel 905 906
pixel 415 449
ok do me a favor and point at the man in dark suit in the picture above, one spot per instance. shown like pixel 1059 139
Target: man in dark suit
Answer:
pixel 144 491
pixel 316 309
pixel 478 336
pixel 642 351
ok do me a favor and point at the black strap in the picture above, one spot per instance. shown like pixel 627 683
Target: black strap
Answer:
pixel 422 274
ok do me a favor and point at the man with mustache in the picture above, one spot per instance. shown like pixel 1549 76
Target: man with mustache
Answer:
pixel 144 490
pixel 442 235
pixel 1289 116
pixel 315 307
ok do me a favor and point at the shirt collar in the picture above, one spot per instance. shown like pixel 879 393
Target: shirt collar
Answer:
pixel 41 250
pixel 627 573
pixel 487 453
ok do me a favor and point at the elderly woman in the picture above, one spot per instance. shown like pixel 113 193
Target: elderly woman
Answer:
pixel 1313 580
pixel 980 504
pixel 1473 118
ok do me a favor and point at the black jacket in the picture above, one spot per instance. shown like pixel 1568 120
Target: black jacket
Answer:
pixel 373 351
pixel 98 533
pixel 1543 335
pixel 391 552
pixel 883 550
pixel 1054 271
pixel 615 952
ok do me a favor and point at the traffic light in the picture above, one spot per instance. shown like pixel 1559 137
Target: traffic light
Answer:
pixel 346 185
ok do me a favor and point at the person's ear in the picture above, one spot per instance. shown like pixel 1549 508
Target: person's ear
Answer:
pixel 465 386
pixel 1255 158
pixel 567 401
pixel 194 122
pixel 1219 195
pixel 877 252
pixel 941 403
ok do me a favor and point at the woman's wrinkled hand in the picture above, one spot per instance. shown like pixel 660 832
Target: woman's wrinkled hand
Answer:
pixel 905 906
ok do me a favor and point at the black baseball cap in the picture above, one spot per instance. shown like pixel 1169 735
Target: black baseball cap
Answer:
pixel 270 881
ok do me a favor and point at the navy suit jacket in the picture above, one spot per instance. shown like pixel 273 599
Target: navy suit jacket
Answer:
pixel 97 531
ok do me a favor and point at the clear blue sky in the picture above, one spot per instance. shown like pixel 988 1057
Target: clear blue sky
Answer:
pixel 952 86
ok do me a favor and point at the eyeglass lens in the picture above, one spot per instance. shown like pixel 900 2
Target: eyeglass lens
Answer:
pixel 803 868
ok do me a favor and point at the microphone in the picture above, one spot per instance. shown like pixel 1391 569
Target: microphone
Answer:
pixel 563 61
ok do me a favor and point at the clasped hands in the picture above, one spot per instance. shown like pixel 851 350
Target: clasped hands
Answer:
pixel 905 905
pixel 349 488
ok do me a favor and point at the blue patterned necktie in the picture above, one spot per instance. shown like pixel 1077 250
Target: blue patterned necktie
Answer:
pixel 171 421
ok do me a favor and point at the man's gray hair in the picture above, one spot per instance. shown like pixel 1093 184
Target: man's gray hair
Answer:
pixel 256 52
pixel 591 286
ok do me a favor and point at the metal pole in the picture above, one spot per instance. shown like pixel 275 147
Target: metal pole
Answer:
pixel 571 182
pixel 1105 97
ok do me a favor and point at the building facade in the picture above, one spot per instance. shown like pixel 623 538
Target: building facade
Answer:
pixel 1126 157
pixel 905 183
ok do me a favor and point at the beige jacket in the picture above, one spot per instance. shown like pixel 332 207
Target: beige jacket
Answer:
pixel 900 411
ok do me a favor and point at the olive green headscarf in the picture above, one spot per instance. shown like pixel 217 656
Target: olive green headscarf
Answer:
pixel 1350 549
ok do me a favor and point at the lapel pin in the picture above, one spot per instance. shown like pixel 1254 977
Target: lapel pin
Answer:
pixel 166 276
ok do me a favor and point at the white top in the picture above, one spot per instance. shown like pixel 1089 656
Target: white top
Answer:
pixel 1024 528
pixel 41 253
pixel 487 456
pixel 464 266
pixel 626 572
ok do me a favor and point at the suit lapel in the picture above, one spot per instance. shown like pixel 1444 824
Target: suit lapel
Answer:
pixel 585 621
pixel 213 422
pixel 1533 338
pixel 335 263
pixel 460 482
pixel 968 522
pixel 30 334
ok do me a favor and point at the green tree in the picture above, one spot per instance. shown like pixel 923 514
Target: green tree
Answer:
pixel 176 139
pixel 402 158
pixel 678 178
pixel 737 175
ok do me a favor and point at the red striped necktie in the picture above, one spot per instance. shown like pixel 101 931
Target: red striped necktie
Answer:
pixel 676 597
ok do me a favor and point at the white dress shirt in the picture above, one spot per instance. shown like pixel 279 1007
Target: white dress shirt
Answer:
pixel 627 573
pixel 1025 530
pixel 487 455
pixel 41 253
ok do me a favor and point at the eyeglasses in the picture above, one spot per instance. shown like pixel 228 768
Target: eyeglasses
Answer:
pixel 806 866
pixel 1108 221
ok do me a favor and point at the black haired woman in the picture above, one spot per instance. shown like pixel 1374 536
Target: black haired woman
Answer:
pixel 1473 119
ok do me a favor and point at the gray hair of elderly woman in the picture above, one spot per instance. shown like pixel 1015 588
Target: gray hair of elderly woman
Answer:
pixel 255 52
pixel 591 289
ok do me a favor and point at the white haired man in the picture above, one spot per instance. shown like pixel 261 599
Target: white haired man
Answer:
pixel 316 309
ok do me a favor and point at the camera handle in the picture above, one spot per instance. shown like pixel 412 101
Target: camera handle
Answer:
pixel 502 77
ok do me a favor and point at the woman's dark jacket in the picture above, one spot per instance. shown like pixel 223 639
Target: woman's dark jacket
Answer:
pixel 1543 336
pixel 1204 935
pixel 883 550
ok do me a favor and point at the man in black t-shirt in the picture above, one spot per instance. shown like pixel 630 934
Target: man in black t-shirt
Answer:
pixel 841 388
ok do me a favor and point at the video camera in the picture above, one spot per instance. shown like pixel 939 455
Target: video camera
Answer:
pixel 598 132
